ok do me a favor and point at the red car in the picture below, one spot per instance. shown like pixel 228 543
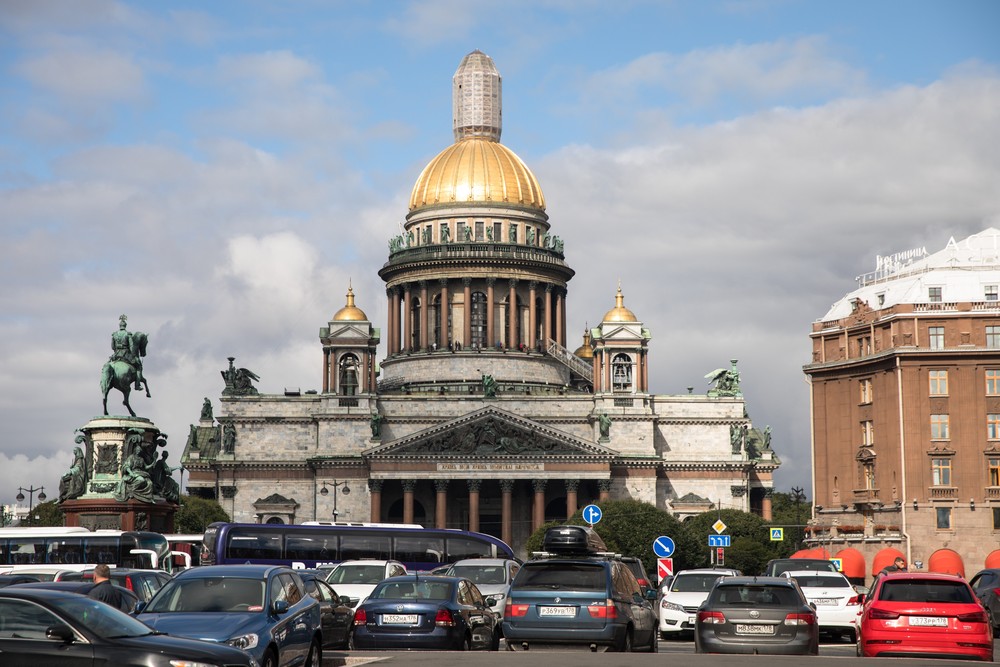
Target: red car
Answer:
pixel 911 614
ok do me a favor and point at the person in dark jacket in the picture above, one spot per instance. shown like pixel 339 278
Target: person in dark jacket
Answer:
pixel 103 589
pixel 898 565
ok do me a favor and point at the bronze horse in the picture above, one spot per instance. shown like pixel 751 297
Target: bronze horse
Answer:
pixel 121 375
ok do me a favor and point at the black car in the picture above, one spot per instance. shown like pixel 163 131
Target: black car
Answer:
pixel 639 571
pixel 756 615
pixel 45 627
pixel 144 583
pixel 986 585
pixel 128 598
pixel 336 612
pixel 577 594
pixel 11 579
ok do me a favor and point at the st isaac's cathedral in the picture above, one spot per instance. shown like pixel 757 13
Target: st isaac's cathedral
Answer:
pixel 478 416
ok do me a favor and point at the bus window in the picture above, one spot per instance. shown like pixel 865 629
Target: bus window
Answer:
pixel 460 548
pixel 101 550
pixel 65 550
pixel 252 544
pixel 418 548
pixel 319 548
pixel 27 550
pixel 354 547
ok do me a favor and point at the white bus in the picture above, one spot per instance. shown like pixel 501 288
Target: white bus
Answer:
pixel 76 546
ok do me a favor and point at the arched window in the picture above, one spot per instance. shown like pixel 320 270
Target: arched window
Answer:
pixel 478 320
pixel 621 373
pixel 349 372
pixel 275 520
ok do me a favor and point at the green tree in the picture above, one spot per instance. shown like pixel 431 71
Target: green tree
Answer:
pixel 791 510
pixel 196 513
pixel 751 528
pixel 48 513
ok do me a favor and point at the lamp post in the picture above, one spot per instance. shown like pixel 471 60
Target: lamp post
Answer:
pixel 336 485
pixel 31 498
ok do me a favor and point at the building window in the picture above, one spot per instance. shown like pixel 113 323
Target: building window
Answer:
pixel 996 518
pixel 867 433
pixel 939 427
pixel 460 231
pixel 868 474
pixel 941 472
pixel 943 518
pixel 935 336
pixel 866 391
pixel 480 231
pixel 621 373
pixel 993 427
pixel 880 298
pixel 477 329
pixel 939 383
pixel 934 294
pixel 992 382
pixel 993 470
pixel 497 231
pixel 349 367
pixel 992 336
pixel 991 293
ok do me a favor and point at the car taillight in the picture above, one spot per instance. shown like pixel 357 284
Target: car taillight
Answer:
pixel 854 601
pixel 606 610
pixel 882 614
pixel 974 617
pixel 444 618
pixel 514 610
pixel 643 583
pixel 800 619
pixel 711 617
pixel 360 617
pixel 128 583
pixel 996 591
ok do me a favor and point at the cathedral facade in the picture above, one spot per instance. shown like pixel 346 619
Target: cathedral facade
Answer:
pixel 476 414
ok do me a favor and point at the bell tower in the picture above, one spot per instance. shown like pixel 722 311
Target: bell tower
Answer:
pixel 349 351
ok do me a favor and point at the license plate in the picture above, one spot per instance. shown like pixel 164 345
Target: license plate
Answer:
pixel 557 611
pixel 826 602
pixel 929 621
pixel 399 619
pixel 754 629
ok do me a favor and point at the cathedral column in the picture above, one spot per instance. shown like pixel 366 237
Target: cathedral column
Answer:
pixel 532 315
pixel 474 485
pixel 371 373
pixel 607 371
pixel 765 507
pixel 394 328
pixel 388 320
pixel 597 372
pixel 644 360
pixel 512 313
pixel 441 503
pixel 423 314
pixel 443 314
pixel 408 486
pixel 548 315
pixel 538 517
pixel 375 489
pixel 407 320
pixel 467 310
pixel 490 323
pixel 604 488
pixel 571 502
pixel 506 511
pixel 561 318
pixel 326 371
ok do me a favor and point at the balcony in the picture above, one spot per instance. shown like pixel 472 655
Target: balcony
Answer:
pixel 865 495
pixel 993 493
pixel 943 492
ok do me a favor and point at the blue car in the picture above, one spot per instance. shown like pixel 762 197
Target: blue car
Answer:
pixel 426 612
pixel 262 609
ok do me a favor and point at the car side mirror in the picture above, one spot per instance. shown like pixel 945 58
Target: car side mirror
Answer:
pixel 490 601
pixel 139 606
pixel 279 607
pixel 344 599
pixel 61 633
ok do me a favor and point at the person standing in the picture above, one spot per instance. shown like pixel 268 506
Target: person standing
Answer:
pixel 898 565
pixel 103 590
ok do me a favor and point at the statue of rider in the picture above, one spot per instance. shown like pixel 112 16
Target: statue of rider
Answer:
pixel 123 349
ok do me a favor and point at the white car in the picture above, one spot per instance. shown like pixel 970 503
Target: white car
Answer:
pixel 837 602
pixel 492 576
pixel 679 604
pixel 358 578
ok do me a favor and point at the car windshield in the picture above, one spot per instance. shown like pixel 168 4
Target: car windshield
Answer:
pixel 819 581
pixel 357 574
pixel 412 590
pixel 101 619
pixel 568 577
pixel 694 583
pixel 480 574
pixel 930 591
pixel 228 594
pixel 751 595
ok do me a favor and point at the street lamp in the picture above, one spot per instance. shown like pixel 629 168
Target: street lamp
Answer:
pixel 335 484
pixel 31 497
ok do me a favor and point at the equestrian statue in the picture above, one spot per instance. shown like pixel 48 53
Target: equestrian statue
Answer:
pixel 123 369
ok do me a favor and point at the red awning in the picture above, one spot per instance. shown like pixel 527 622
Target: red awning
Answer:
pixel 993 559
pixel 852 563
pixel 885 557
pixel 946 561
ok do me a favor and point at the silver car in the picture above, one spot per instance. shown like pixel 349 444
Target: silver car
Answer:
pixel 492 576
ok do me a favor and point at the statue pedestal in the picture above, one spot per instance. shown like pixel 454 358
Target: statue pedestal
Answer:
pixel 109 514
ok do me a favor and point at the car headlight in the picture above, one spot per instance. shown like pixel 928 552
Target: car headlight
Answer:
pixel 665 604
pixel 245 642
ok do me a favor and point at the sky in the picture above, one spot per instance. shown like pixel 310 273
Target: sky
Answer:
pixel 221 172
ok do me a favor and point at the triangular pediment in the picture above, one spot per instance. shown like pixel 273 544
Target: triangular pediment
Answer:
pixel 623 332
pixel 349 330
pixel 491 433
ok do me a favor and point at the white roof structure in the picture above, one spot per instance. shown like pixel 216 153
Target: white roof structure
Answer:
pixel 964 271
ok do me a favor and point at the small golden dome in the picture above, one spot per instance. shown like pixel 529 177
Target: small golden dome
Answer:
pixel 620 313
pixel 350 312
pixel 585 351
pixel 477 170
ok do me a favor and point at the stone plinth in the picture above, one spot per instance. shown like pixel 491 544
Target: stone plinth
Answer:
pixel 109 514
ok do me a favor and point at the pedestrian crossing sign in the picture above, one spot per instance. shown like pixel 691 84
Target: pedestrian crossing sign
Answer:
pixel 777 534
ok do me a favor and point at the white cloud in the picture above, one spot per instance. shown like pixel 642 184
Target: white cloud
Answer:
pixel 85 75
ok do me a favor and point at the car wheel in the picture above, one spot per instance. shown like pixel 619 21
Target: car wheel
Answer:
pixel 349 644
pixel 270 660
pixel 495 640
pixel 625 646
pixel 990 620
pixel 857 644
pixel 315 657
pixel 466 644
pixel 654 641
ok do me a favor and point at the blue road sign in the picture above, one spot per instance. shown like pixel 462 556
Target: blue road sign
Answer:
pixel 718 540
pixel 592 514
pixel 663 546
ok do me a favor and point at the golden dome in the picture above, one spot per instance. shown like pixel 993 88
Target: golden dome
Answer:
pixel 350 312
pixel 620 313
pixel 477 170
pixel 585 351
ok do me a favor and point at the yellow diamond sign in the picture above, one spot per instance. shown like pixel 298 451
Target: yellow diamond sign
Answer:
pixel 719 527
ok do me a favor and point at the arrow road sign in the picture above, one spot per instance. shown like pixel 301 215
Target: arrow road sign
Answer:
pixel 663 546
pixel 592 514
pixel 718 540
